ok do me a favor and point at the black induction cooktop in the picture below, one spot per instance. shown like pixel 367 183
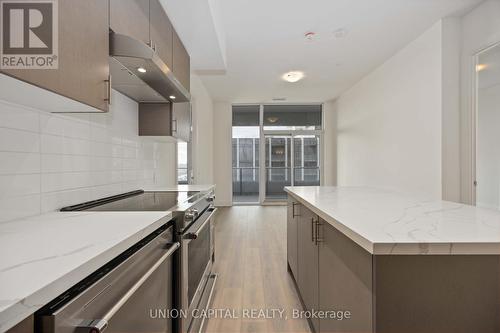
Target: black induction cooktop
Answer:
pixel 135 201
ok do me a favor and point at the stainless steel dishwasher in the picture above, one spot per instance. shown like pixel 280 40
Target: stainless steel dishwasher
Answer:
pixel 132 293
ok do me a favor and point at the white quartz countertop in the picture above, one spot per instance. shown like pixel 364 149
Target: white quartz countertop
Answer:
pixel 182 188
pixel 385 222
pixel 43 256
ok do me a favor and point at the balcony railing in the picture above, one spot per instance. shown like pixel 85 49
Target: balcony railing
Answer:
pixel 246 179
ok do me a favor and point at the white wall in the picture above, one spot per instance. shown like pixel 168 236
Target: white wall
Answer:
pixel 389 123
pixel 223 153
pixel 450 103
pixel 329 151
pixel 480 29
pixel 48 161
pixel 202 149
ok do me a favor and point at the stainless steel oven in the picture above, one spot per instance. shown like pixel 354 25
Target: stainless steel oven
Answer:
pixel 133 293
pixel 197 282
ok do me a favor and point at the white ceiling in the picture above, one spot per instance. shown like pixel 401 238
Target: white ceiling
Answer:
pixel 265 38
pixel 198 24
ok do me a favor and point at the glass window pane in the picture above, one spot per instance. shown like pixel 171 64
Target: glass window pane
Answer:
pixel 182 162
pixel 246 115
pixel 278 166
pixel 246 132
pixel 307 160
pixel 292 117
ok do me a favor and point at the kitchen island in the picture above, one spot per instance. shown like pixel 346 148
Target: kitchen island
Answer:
pixel 393 262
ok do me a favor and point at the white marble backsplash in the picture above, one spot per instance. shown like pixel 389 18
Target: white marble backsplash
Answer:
pixel 48 161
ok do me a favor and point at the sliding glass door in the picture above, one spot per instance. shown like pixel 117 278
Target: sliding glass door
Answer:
pixel 306 162
pixel 291 160
pixel 278 166
pixel 286 138
pixel 245 145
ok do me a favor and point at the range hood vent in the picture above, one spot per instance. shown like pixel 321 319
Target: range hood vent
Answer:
pixel 139 73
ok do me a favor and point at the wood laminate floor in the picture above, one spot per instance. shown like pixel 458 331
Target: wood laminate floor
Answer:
pixel 251 263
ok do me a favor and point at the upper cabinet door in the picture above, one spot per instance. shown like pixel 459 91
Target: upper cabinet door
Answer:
pixel 181 121
pixel 161 32
pixel 131 18
pixel 181 62
pixel 83 55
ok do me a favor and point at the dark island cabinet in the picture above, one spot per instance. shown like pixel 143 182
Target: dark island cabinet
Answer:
pixel 293 213
pixel 356 291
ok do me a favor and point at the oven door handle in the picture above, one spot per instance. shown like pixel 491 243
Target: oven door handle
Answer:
pixel 194 235
pixel 100 325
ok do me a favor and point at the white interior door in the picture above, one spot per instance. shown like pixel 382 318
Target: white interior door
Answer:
pixel 488 128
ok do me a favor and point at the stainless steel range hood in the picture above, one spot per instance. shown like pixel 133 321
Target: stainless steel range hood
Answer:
pixel 139 73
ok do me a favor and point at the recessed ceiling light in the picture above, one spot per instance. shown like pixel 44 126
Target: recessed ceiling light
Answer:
pixel 293 76
pixel 272 120
pixel 481 67
pixel 340 33
pixel 141 70
pixel 171 97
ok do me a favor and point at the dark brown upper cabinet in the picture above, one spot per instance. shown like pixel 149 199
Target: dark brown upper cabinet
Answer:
pixel 181 62
pixel 165 119
pixel 83 70
pixel 161 32
pixel 146 20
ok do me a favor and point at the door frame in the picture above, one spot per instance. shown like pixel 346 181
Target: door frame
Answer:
pixel 474 119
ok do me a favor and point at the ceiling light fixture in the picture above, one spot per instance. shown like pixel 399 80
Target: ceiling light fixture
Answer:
pixel 171 97
pixel 481 67
pixel 141 70
pixel 310 36
pixel 272 120
pixel 293 76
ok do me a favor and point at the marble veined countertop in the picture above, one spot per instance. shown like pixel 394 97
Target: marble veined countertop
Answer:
pixel 182 188
pixel 391 223
pixel 43 256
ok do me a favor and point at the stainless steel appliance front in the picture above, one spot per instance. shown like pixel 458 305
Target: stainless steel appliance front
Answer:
pixel 134 296
pixel 197 280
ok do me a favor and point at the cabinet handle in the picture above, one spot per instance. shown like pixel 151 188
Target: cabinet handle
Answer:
pixel 108 90
pixel 174 128
pixel 293 209
pixel 318 224
pixel 313 230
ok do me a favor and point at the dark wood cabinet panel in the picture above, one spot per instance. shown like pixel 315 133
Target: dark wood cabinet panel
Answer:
pixel 345 281
pixel 165 119
pixel 307 250
pixel 181 62
pixel 292 216
pixel 83 55
pixel 131 18
pixel 161 32
pixel 155 119
pixel 25 326
pixel 181 121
